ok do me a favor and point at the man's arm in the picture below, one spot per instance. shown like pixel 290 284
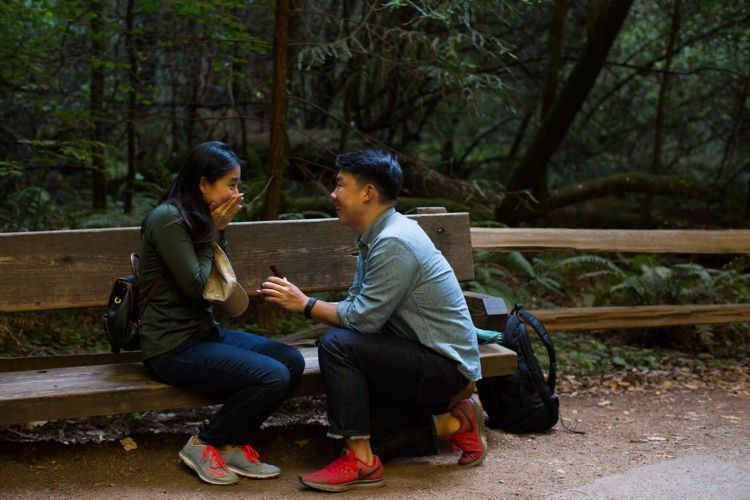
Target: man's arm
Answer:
pixel 282 292
pixel 391 272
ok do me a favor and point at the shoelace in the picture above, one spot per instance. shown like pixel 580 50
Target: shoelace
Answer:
pixel 217 462
pixel 251 454
pixel 345 461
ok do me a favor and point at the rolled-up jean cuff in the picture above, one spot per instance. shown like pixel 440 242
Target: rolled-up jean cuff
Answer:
pixel 333 435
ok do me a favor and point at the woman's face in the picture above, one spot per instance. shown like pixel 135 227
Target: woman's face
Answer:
pixel 222 189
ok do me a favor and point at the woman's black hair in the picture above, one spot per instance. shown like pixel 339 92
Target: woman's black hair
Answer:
pixel 211 160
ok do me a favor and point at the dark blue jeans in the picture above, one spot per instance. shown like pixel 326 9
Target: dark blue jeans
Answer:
pixel 255 373
pixel 386 388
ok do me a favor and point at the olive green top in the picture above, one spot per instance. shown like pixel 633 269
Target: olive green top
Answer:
pixel 177 312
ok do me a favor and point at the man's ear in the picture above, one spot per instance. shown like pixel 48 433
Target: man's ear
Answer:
pixel 371 194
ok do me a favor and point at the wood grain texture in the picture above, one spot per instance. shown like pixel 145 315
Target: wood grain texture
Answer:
pixel 607 318
pixel 730 241
pixel 126 387
pixel 65 269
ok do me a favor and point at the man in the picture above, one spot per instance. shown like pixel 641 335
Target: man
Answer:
pixel 403 346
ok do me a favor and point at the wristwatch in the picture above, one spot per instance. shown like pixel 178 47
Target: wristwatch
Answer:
pixel 308 308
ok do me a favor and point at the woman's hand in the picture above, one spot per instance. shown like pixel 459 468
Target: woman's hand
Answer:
pixel 284 293
pixel 222 214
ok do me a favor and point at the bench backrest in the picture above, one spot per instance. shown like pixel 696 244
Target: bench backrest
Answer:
pixel 75 268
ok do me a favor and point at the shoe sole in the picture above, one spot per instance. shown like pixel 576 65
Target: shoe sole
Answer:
pixel 375 483
pixel 479 417
pixel 190 464
pixel 240 472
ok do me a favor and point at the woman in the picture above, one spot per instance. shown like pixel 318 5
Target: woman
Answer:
pixel 183 345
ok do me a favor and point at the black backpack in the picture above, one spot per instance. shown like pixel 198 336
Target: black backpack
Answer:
pixel 124 311
pixel 524 401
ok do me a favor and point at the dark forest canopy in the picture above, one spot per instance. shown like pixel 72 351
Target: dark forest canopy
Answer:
pixel 604 113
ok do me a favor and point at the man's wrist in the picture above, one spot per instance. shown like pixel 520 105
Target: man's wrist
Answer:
pixel 309 306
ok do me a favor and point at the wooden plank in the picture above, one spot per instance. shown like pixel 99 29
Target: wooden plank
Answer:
pixel 497 360
pixel 126 387
pixel 64 269
pixel 487 312
pixel 607 318
pixel 730 241
pixel 48 362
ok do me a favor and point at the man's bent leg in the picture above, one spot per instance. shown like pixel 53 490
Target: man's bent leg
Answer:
pixel 415 382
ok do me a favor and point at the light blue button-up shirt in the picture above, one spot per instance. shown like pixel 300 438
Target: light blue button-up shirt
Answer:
pixel 405 287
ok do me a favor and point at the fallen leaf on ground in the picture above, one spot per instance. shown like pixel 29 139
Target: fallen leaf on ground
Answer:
pixel 656 438
pixel 128 444
pixel 730 417
pixel 604 402
pixel 302 442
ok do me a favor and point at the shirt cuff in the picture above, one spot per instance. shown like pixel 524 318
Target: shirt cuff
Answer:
pixel 342 310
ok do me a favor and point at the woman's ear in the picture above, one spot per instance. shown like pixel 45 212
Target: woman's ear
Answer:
pixel 203 185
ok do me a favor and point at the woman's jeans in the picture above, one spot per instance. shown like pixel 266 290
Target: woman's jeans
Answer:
pixel 387 389
pixel 255 373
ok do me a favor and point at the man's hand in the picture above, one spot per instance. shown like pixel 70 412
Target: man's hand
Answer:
pixel 284 293
pixel 223 213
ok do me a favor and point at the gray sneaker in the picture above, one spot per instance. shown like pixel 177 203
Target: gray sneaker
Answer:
pixel 245 461
pixel 207 462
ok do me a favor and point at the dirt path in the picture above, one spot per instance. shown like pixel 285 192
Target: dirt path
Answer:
pixel 623 431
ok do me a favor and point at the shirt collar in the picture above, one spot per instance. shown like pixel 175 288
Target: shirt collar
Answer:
pixel 375 228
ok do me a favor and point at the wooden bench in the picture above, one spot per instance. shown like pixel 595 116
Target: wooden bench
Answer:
pixel 75 269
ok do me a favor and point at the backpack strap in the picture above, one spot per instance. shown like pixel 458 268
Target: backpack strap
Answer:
pixel 541 332
pixel 151 291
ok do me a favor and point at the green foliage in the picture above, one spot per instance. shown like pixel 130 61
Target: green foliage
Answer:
pixel 553 280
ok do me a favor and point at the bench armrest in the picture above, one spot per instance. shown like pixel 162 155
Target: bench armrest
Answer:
pixel 487 312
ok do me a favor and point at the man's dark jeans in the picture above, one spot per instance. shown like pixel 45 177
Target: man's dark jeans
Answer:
pixel 255 373
pixel 386 388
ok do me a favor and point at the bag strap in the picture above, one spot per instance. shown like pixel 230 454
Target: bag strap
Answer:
pixel 541 332
pixel 134 257
pixel 151 291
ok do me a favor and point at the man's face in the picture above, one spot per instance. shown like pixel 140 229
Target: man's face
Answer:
pixel 349 199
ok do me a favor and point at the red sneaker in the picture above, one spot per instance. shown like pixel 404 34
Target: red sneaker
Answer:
pixel 470 436
pixel 345 473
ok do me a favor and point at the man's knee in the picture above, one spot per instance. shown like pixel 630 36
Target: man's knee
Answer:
pixel 335 341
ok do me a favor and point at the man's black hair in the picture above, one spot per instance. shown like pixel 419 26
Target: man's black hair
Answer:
pixel 374 166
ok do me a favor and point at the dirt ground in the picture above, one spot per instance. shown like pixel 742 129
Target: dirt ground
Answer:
pixel 622 430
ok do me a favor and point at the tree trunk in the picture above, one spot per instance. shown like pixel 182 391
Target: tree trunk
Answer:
pixel 631 183
pixel 554 49
pixel 568 103
pixel 132 97
pixel 278 113
pixel 554 45
pixel 96 105
pixel 659 125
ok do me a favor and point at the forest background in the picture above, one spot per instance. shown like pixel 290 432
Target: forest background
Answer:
pixel 547 113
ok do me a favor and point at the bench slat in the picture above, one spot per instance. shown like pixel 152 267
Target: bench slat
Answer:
pixel 82 391
pixel 64 269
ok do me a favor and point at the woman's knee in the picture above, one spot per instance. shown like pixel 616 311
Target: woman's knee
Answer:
pixel 278 379
pixel 295 362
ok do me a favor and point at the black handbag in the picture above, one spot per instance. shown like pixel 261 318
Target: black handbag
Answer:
pixel 124 310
